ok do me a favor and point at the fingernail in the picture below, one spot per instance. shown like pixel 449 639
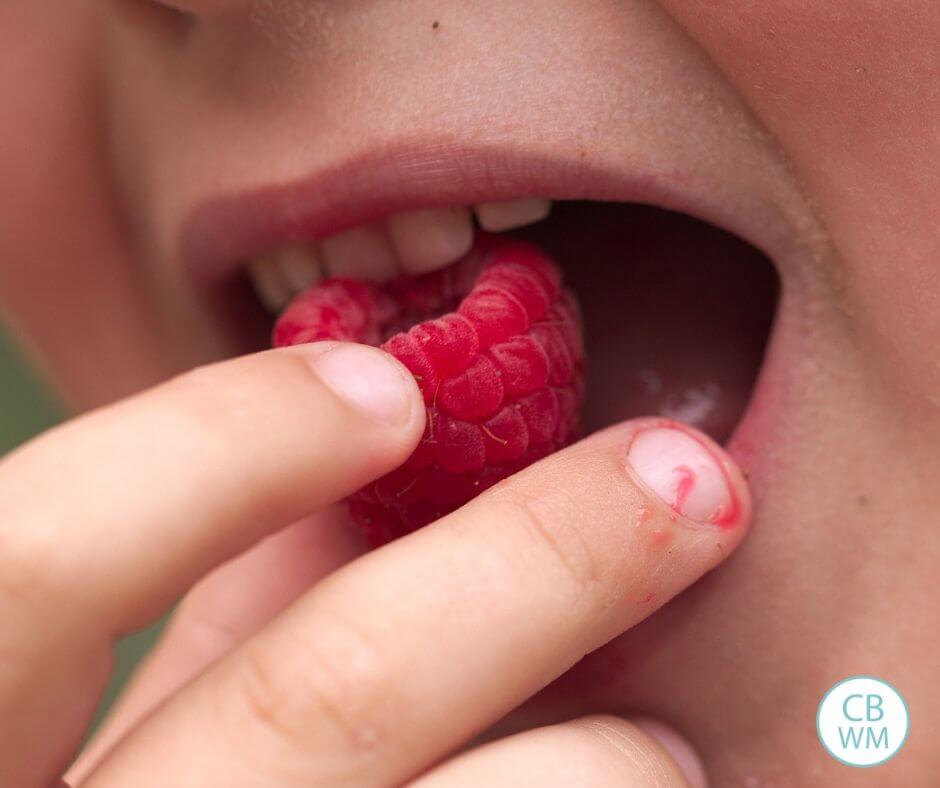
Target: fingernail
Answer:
pixel 680 750
pixel 684 470
pixel 369 381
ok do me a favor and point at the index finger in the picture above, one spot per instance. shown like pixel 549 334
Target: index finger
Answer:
pixel 407 653
pixel 120 511
pixel 106 521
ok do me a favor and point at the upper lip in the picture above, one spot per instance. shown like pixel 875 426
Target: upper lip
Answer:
pixel 224 231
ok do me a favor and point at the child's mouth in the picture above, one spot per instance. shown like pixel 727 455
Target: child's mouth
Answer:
pixel 677 312
pixel 684 317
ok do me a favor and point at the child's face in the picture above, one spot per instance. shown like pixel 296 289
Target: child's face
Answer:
pixel 139 146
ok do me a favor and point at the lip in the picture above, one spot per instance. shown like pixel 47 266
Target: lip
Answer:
pixel 222 232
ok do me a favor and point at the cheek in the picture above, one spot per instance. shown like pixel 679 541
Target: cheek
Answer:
pixel 850 90
pixel 830 66
pixel 65 279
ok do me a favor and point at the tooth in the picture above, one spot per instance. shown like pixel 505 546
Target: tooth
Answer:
pixel 301 267
pixel 427 240
pixel 498 216
pixel 268 280
pixel 362 253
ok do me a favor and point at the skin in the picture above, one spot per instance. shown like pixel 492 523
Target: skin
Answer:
pixel 821 115
pixel 327 691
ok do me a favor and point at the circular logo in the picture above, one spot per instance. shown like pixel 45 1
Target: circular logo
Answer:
pixel 862 721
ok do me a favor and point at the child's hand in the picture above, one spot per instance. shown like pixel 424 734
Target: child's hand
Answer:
pixel 376 674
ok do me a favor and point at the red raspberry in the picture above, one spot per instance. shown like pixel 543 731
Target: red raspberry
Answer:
pixel 498 357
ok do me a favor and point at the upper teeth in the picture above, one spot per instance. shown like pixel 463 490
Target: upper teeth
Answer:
pixel 364 253
pixel 414 242
pixel 279 276
pixel 428 240
pixel 300 265
pixel 498 216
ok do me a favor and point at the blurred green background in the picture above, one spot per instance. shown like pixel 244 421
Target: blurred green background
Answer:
pixel 27 409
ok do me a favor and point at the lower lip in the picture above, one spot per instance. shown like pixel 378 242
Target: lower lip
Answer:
pixel 761 430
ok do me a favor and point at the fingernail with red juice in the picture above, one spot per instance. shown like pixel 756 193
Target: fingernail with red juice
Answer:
pixel 689 472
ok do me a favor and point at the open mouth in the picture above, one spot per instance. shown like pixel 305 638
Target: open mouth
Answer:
pixel 677 312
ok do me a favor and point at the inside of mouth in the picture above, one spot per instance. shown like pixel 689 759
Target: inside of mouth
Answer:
pixel 677 312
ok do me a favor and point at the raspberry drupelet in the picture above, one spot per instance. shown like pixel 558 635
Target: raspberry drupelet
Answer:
pixel 494 342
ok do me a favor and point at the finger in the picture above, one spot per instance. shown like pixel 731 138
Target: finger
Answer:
pixel 595 751
pixel 108 520
pixel 405 654
pixel 224 608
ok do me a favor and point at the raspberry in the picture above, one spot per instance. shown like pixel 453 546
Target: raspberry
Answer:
pixel 494 342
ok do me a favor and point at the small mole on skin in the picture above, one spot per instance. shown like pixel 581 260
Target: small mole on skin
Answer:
pixel 435 26
pixel 862 500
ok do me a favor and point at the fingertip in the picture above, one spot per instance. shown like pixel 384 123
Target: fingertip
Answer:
pixel 372 382
pixel 678 748
pixel 688 472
